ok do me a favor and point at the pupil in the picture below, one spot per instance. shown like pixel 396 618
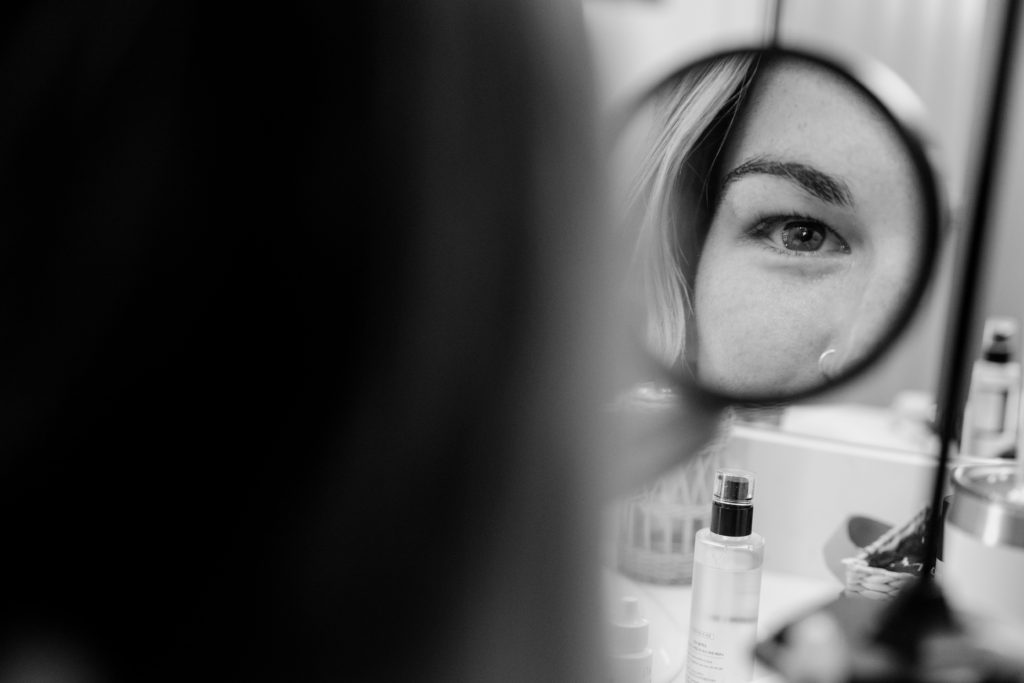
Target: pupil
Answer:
pixel 803 237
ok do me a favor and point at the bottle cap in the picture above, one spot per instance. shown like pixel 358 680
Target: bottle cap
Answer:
pixel 732 504
pixel 629 630
pixel 734 487
pixel 999 336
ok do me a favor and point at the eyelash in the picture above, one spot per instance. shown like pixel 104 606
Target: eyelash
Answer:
pixel 765 224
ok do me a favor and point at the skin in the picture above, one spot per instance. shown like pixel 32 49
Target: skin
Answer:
pixel 816 238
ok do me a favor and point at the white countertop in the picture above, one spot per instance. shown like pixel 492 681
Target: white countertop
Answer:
pixel 784 597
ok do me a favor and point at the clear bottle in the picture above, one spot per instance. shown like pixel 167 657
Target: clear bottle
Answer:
pixel 726 593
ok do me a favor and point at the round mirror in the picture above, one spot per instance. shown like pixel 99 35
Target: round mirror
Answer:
pixel 782 217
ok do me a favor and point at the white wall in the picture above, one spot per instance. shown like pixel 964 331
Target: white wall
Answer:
pixel 634 41
pixel 1003 275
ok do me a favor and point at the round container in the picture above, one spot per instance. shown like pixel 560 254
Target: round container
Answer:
pixel 982 570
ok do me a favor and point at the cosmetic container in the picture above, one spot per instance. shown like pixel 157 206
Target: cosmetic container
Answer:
pixel 983 544
pixel 989 428
pixel 726 594
pixel 631 658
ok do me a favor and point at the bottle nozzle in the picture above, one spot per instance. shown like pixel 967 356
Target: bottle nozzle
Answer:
pixel 629 629
pixel 734 487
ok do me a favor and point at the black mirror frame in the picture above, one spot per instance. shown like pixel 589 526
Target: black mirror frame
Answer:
pixel 904 110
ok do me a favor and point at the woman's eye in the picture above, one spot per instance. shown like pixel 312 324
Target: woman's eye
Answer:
pixel 803 236
pixel 800 236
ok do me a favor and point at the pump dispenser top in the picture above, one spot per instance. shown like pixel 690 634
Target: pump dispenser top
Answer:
pixel 734 487
pixel 998 339
pixel 998 349
pixel 732 506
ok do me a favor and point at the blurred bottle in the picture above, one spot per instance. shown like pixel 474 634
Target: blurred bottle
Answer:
pixel 990 422
pixel 631 658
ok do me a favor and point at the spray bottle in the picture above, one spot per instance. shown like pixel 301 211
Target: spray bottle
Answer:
pixel 726 594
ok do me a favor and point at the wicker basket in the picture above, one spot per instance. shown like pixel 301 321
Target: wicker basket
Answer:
pixel 652 532
pixel 879 583
pixel 655 529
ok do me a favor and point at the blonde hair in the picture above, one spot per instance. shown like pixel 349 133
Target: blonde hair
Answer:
pixel 690 117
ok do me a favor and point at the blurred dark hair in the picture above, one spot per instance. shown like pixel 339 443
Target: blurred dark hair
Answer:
pixel 295 337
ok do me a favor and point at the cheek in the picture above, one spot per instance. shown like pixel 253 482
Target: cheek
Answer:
pixel 899 251
pixel 889 276
pixel 761 330
pixel 880 295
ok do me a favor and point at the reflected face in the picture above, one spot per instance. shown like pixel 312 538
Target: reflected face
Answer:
pixel 816 239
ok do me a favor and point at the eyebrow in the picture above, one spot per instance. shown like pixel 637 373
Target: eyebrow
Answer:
pixel 825 187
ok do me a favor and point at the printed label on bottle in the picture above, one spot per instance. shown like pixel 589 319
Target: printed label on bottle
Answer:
pixel 723 625
pixel 721 652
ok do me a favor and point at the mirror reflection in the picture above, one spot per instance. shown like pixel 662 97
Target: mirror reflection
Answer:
pixel 783 223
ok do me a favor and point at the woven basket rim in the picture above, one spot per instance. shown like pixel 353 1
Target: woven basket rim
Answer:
pixel 860 564
pixel 896 533
pixel 889 539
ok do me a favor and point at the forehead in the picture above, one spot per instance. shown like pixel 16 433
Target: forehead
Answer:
pixel 805 112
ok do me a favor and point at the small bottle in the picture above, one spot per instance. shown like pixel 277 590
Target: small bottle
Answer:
pixel 989 427
pixel 726 593
pixel 631 658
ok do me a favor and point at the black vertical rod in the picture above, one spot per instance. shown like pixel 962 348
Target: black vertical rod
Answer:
pixel 775 24
pixel 965 290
